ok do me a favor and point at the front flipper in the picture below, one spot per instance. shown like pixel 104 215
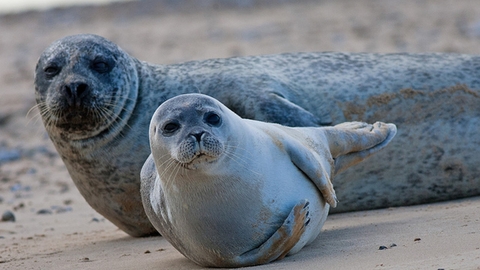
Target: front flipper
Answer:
pixel 275 108
pixel 352 142
pixel 282 241
pixel 311 162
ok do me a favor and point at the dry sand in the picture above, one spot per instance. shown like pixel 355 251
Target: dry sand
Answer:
pixel 73 236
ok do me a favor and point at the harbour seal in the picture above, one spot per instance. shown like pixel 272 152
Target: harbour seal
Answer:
pixel 231 192
pixel 96 102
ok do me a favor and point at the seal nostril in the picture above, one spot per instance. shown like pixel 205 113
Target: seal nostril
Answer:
pixel 82 90
pixel 198 136
pixel 68 92
pixel 69 95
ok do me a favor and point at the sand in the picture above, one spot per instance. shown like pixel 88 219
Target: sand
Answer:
pixel 55 228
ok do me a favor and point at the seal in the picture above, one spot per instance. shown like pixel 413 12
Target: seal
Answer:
pixel 231 192
pixel 96 103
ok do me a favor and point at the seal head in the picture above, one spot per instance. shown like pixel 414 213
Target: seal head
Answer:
pixel 190 142
pixel 85 85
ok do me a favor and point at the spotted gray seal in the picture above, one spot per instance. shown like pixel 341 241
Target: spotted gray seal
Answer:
pixel 96 102
pixel 231 192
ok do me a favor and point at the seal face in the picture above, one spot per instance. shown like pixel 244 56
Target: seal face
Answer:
pixel 230 192
pixel 83 92
pixel 199 144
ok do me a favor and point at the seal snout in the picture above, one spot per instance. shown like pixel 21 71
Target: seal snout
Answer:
pixel 75 93
pixel 199 146
pixel 197 135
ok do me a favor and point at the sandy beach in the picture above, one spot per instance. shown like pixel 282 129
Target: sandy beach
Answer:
pixel 55 228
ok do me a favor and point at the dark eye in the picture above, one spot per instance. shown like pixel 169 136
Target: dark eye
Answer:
pixel 51 71
pixel 213 119
pixel 170 128
pixel 100 66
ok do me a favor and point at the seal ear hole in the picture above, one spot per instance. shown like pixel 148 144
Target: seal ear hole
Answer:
pixel 212 119
pixel 170 127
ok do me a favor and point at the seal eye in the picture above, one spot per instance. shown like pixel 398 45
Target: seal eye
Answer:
pixel 213 119
pixel 51 71
pixel 170 128
pixel 100 66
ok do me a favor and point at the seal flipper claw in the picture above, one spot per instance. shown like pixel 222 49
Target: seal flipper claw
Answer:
pixel 308 220
pixel 306 204
pixel 307 215
pixel 282 241
pixel 329 193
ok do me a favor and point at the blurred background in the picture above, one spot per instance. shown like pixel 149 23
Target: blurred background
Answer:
pixel 27 5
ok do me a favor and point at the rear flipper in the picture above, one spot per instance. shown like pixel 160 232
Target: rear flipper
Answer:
pixel 281 242
pixel 352 142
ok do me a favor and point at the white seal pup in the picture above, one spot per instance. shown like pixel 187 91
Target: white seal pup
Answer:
pixel 96 102
pixel 231 192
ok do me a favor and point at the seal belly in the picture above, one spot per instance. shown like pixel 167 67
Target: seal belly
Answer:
pixel 287 186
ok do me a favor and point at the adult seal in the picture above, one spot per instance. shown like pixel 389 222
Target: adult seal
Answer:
pixel 231 192
pixel 96 102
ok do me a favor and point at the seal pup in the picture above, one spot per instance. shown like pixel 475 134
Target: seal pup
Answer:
pixel 96 102
pixel 231 192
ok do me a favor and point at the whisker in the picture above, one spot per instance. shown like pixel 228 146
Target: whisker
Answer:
pixel 167 170
pixel 112 117
pixel 36 106
pixel 178 169
pixel 242 160
pixel 112 97
pixel 198 89
pixel 162 157
pixel 173 173
pixel 33 119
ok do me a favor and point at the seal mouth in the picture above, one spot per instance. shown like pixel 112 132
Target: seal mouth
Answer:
pixel 197 160
pixel 194 152
pixel 72 119
pixel 78 121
